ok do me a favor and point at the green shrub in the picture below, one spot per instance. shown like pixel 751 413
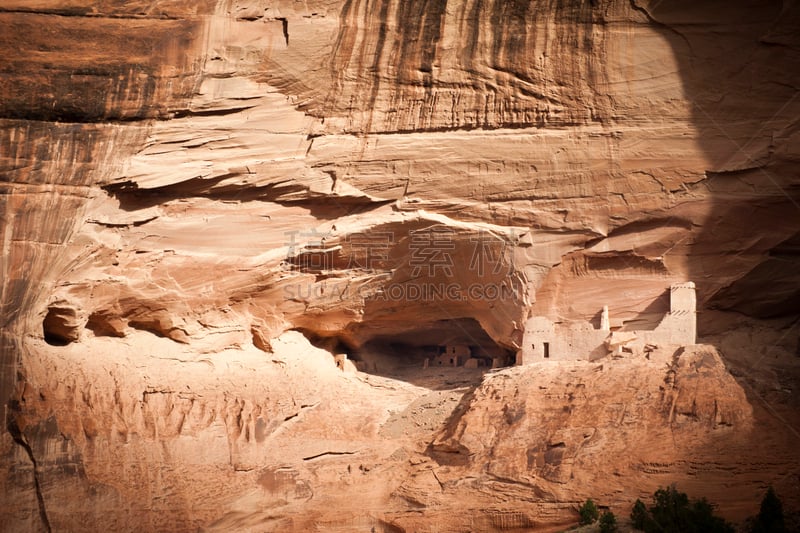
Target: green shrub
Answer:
pixel 588 512
pixel 701 519
pixel 673 512
pixel 770 517
pixel 608 522
pixel 639 514
pixel 670 509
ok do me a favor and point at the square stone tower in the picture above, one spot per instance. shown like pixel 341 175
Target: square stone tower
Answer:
pixel 682 318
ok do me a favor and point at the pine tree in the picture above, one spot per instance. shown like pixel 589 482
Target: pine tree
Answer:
pixel 639 515
pixel 770 517
pixel 608 522
pixel 588 512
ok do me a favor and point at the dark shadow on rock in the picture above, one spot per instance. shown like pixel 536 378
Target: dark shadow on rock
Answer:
pixel 740 67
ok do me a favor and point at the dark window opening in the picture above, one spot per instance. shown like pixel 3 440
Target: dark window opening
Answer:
pixel 546 350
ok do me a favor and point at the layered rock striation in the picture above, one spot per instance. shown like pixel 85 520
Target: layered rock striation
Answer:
pixel 201 202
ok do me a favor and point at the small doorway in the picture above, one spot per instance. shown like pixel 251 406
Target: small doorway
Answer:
pixel 546 350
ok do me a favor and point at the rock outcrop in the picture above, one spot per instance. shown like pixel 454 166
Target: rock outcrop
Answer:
pixel 201 201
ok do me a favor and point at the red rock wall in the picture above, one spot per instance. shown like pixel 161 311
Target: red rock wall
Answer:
pixel 168 171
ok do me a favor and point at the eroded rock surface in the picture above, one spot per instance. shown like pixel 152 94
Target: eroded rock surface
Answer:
pixel 183 183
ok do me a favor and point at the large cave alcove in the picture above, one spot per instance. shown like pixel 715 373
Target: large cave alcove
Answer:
pixel 430 354
pixel 434 354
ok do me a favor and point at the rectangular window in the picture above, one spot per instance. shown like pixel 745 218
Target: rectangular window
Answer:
pixel 546 350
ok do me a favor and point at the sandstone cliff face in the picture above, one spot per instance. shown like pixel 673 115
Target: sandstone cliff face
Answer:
pixel 183 183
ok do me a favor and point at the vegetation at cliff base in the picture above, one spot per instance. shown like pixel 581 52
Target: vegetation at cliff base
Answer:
pixel 673 512
pixel 608 522
pixel 588 512
pixel 770 516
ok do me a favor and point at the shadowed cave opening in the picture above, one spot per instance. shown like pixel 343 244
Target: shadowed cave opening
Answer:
pixel 60 326
pixel 418 354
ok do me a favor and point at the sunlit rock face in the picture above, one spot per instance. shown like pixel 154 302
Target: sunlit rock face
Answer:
pixel 201 202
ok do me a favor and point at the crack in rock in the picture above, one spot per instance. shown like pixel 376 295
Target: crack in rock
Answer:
pixel 19 439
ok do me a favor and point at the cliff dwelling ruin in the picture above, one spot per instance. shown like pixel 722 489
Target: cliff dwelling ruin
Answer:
pixel 546 339
pixel 443 344
pixel 464 343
